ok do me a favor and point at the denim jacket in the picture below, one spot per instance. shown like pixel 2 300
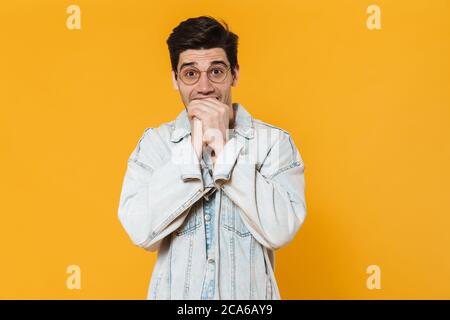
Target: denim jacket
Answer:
pixel 257 187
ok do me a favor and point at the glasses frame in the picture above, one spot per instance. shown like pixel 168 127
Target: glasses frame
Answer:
pixel 207 74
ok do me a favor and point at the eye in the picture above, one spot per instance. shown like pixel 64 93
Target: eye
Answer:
pixel 190 73
pixel 217 71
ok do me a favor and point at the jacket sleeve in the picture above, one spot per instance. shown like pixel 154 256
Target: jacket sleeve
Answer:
pixel 157 195
pixel 270 195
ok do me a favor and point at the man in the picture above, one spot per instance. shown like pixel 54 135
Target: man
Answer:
pixel 215 191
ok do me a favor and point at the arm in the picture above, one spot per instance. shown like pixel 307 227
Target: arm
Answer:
pixel 271 198
pixel 156 198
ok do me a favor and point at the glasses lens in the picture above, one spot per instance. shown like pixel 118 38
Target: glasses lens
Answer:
pixel 189 75
pixel 217 73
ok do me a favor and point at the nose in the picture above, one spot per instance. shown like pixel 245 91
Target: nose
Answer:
pixel 204 85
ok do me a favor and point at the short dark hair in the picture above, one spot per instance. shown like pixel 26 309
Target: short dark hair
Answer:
pixel 203 32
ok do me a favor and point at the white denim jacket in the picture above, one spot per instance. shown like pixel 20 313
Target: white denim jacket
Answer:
pixel 259 180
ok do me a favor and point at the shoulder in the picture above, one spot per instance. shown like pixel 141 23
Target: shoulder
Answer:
pixel 280 146
pixel 273 134
pixel 163 132
pixel 153 146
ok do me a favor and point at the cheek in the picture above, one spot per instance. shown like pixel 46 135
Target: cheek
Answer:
pixel 225 89
pixel 185 92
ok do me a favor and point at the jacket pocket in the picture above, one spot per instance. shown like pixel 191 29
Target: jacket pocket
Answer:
pixel 231 218
pixel 192 222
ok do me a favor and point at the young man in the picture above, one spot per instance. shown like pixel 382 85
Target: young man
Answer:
pixel 215 191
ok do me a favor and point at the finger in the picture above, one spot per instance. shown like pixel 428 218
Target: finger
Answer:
pixel 211 102
pixel 216 105
pixel 196 103
pixel 209 107
pixel 197 112
pixel 204 109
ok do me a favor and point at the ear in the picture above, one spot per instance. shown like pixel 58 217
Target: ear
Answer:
pixel 236 76
pixel 174 81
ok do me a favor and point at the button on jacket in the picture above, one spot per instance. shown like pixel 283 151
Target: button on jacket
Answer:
pixel 215 227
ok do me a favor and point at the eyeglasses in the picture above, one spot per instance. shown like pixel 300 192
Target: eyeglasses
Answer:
pixel 215 73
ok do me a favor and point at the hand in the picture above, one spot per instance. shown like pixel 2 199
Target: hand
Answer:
pixel 215 118
pixel 197 136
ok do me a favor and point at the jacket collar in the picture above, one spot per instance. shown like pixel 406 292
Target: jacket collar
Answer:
pixel 243 124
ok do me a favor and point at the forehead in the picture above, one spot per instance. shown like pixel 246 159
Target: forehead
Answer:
pixel 203 57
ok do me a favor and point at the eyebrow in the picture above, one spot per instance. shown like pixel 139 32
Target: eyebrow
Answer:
pixel 212 62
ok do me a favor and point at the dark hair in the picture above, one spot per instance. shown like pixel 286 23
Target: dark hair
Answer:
pixel 203 32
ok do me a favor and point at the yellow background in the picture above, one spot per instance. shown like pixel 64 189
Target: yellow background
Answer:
pixel 368 110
